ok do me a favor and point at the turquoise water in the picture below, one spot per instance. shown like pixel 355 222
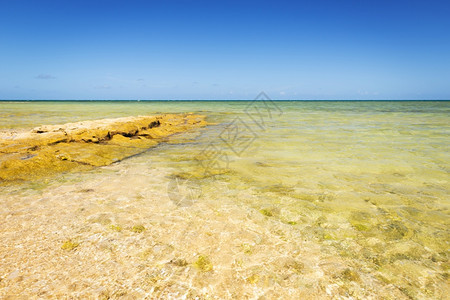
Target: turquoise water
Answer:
pixel 312 199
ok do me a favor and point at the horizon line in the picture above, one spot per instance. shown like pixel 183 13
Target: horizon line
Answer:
pixel 219 100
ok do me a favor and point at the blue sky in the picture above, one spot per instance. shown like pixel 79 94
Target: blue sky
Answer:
pixel 224 49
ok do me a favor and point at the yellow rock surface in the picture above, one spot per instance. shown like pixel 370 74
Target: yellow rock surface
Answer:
pixel 51 149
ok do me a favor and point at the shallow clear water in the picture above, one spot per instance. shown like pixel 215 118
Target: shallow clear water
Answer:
pixel 283 199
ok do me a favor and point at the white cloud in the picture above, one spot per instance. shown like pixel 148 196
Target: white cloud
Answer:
pixel 103 87
pixel 45 76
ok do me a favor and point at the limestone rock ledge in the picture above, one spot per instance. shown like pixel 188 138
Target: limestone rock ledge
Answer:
pixel 51 149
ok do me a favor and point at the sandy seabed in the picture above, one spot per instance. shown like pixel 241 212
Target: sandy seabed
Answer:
pixel 116 234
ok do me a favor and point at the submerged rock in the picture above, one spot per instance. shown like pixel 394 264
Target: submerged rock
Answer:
pixel 51 149
pixel 138 228
pixel 69 245
pixel 349 275
pixel 203 263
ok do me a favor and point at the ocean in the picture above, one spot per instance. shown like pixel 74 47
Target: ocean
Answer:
pixel 273 199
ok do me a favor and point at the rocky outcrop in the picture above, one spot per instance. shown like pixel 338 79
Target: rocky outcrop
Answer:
pixel 51 149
